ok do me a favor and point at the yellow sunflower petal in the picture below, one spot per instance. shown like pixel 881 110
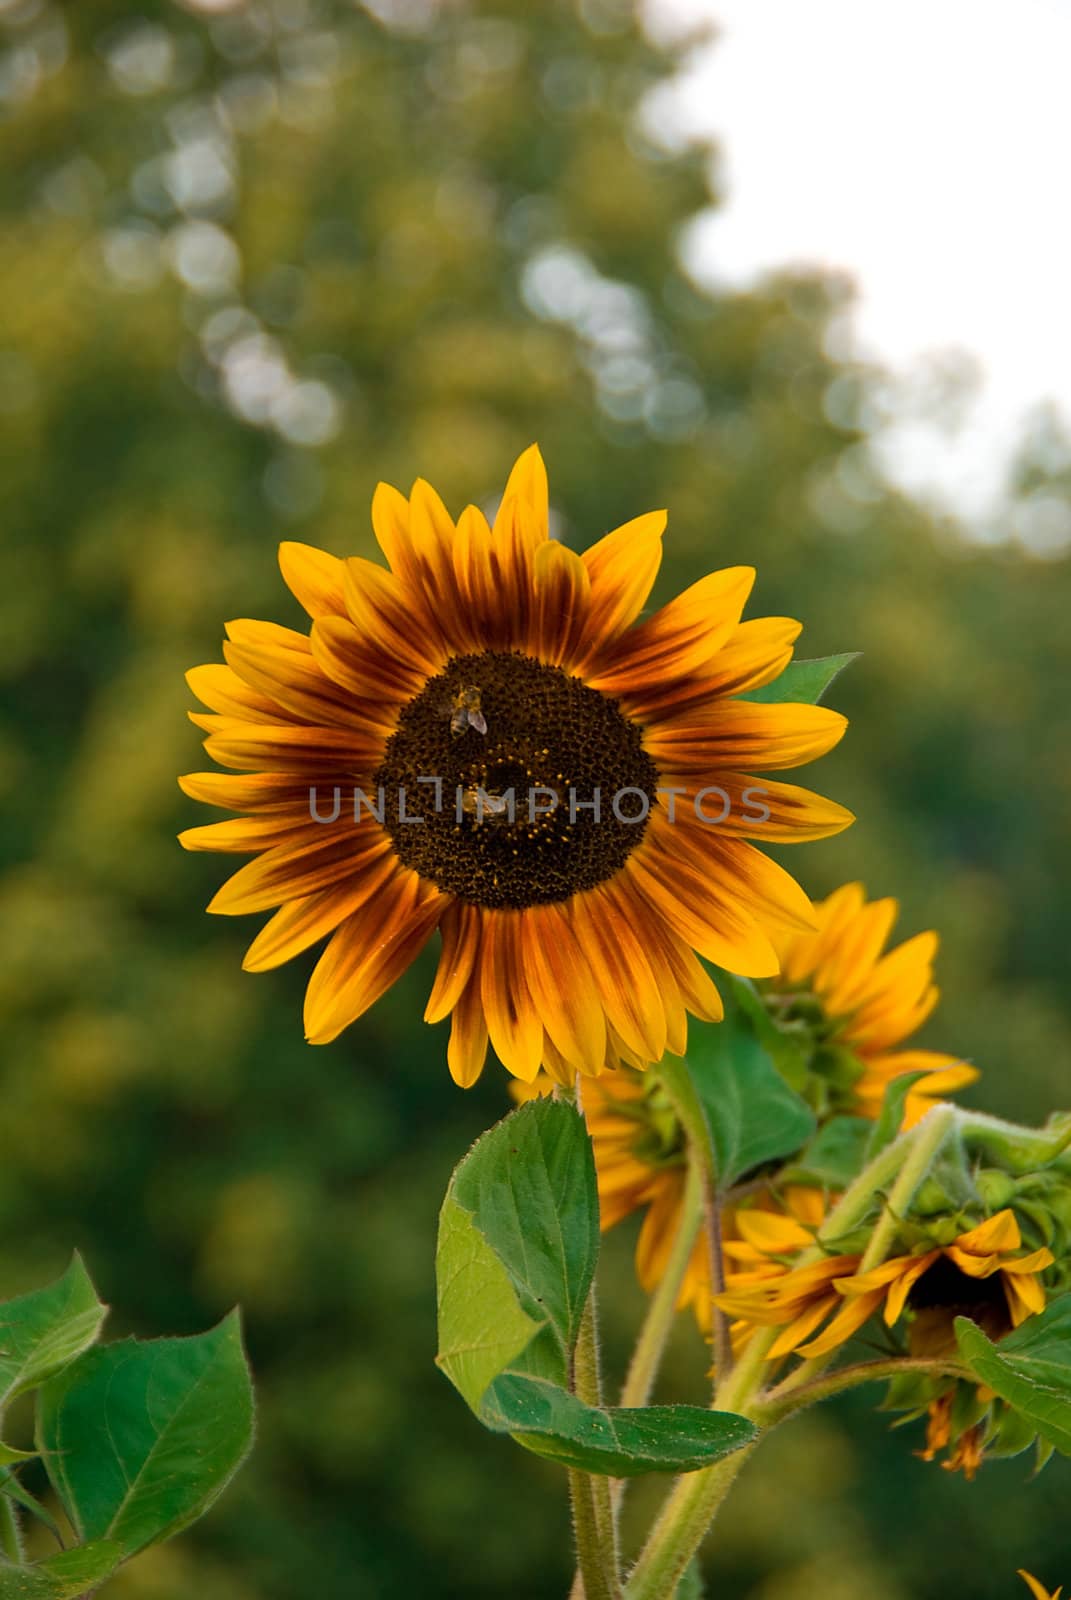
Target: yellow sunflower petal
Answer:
pixel 513 1023
pixel 733 734
pixel 998 1233
pixel 301 923
pixel 528 482
pixel 460 929
pixel 290 872
pixel 1036 1589
pixel 221 689
pixel 680 639
pixel 368 953
pixel 846 1323
pixel 793 1335
pixel 563 987
pixel 622 568
pixel 313 577
pixel 467 1050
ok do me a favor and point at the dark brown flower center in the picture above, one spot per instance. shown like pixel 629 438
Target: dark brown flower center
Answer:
pixel 944 1293
pixel 529 786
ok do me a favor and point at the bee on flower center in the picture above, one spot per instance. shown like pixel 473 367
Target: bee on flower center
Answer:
pixel 464 710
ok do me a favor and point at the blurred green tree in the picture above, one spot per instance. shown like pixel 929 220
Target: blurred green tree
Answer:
pixel 254 257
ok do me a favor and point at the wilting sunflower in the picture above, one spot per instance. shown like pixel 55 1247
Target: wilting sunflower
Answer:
pixel 641 1165
pixel 983 1274
pixel 498 688
pixel 857 1003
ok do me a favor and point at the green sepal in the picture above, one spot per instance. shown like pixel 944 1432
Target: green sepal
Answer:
pixel 1010 1433
pixel 1029 1368
pixel 911 1391
pixel 802 682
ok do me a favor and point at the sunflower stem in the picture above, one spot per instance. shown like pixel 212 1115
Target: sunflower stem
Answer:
pixel 722 1345
pixel 593 1580
pixel 662 1308
pixel 594 1513
pixel 929 1135
pixel 790 1397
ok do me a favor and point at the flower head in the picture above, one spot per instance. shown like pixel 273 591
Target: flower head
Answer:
pixel 481 738
pixel 857 1003
pixel 983 1274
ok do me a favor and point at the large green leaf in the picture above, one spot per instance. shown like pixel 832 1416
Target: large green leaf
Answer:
pixel 66 1576
pixel 613 1441
pixel 482 1327
pixel 518 1245
pixel 529 1186
pixel 803 682
pixel 41 1331
pixel 752 1114
pixel 1030 1368
pixel 140 1437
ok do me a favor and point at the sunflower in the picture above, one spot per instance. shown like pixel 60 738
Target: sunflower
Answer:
pixel 482 739
pixel 983 1274
pixel 839 987
pixel 641 1165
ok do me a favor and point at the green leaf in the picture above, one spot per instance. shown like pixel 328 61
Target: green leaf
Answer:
pixel 803 682
pixel 752 1114
pixel 615 1442
pixel 518 1245
pixel 887 1123
pixel 42 1331
pixel 835 1155
pixel 791 1052
pixel 529 1186
pixel 1030 1368
pixel 140 1437
pixel 482 1327
pixel 66 1576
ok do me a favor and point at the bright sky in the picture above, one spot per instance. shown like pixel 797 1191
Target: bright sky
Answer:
pixel 922 145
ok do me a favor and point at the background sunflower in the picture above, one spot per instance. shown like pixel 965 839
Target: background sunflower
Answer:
pixel 254 260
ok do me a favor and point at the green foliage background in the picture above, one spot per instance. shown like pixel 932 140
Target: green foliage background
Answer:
pixel 452 221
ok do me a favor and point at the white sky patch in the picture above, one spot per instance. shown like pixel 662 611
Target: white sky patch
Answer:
pixel 921 146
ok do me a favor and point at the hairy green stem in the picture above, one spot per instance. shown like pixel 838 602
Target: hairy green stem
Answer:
pixel 929 1135
pixel 788 1398
pixel 721 1343
pixel 598 1583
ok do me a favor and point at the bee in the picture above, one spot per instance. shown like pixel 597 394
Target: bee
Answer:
pixel 477 803
pixel 463 709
